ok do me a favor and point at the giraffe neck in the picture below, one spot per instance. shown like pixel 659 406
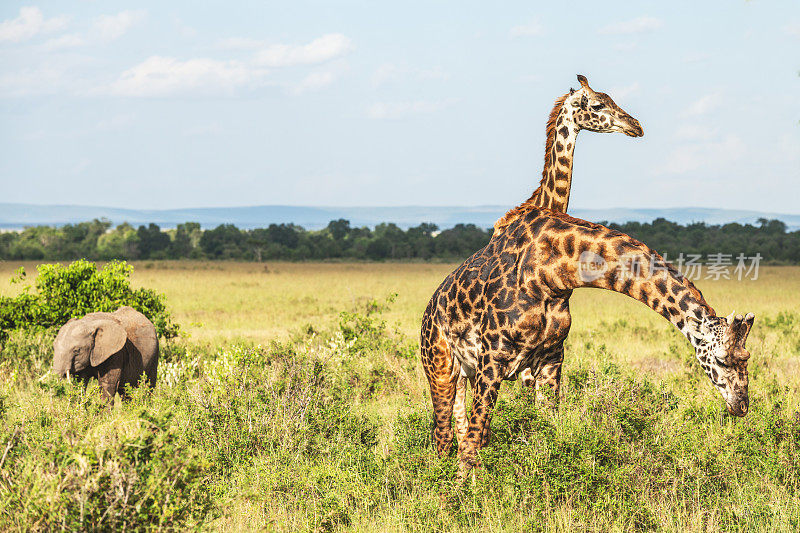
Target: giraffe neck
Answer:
pixel 553 191
pixel 554 188
pixel 591 255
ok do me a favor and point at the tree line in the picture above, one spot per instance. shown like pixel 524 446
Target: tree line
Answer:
pixel 97 240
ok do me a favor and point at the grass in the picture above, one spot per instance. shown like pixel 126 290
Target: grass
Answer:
pixel 326 427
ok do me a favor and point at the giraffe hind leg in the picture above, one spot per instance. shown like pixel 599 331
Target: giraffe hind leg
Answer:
pixel 549 377
pixel 438 364
pixel 527 378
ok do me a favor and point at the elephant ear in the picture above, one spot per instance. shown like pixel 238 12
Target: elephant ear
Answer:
pixel 109 338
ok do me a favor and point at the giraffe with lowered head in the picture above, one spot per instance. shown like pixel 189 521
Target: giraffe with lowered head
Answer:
pixel 506 308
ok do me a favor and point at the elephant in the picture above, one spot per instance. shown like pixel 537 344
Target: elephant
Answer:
pixel 116 348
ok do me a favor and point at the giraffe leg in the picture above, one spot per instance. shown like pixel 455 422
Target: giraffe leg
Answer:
pixel 460 408
pixel 549 376
pixel 526 377
pixel 460 412
pixel 438 364
pixel 483 401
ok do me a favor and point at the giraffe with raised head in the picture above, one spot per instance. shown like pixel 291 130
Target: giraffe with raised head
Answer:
pixel 584 109
pixel 506 308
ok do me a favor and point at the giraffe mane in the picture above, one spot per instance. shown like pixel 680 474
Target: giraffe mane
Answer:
pixel 548 162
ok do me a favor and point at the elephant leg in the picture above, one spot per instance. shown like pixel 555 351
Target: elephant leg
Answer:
pixel 109 374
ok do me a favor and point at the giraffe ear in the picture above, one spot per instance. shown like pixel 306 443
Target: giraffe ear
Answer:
pixel 730 318
pixel 583 81
pixel 749 318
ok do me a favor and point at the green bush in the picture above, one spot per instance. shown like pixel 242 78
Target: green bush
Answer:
pixel 71 465
pixel 71 291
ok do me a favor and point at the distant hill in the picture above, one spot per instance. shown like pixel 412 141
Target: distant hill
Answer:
pixel 17 216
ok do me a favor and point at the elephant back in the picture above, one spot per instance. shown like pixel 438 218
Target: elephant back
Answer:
pixel 142 342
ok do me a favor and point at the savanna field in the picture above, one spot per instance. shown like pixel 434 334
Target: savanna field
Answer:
pixel 294 400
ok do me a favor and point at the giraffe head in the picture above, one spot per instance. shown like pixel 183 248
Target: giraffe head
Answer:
pixel 719 344
pixel 595 111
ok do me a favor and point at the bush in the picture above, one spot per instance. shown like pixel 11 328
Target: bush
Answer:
pixel 71 465
pixel 64 292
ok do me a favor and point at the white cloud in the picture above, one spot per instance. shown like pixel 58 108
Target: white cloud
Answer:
pixel 703 156
pixel 703 105
pixel 111 27
pixel 104 28
pixel 396 110
pixel 28 24
pixel 531 29
pixel 314 81
pixel 166 76
pixel 319 50
pixel 638 25
pixel 622 92
pixel 70 40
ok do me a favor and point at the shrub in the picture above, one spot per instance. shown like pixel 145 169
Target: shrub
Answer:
pixel 64 292
pixel 71 466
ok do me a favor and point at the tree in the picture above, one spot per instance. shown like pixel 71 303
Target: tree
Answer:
pixel 223 242
pixel 121 243
pixel 258 241
pixel 339 229
pixel 186 240
pixel 152 242
pixel 284 234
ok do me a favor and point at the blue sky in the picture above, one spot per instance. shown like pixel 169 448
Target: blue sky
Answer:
pixel 171 104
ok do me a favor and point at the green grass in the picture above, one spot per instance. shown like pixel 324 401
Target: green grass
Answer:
pixel 327 428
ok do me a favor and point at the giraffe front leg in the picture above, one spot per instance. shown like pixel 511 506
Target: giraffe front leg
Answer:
pixel 460 407
pixel 483 401
pixel 548 379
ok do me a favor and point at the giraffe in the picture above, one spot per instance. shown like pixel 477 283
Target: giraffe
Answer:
pixel 506 308
pixel 583 109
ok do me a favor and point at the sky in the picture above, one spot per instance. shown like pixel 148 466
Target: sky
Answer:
pixel 156 105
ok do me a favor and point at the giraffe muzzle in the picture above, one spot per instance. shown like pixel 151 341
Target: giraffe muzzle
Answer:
pixel 633 128
pixel 739 407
